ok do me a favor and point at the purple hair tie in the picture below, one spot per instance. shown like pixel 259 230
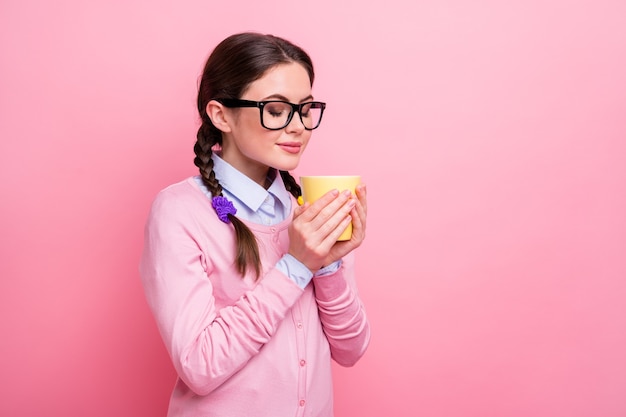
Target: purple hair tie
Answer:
pixel 223 207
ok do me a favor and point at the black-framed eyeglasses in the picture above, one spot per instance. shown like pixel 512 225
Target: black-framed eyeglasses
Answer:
pixel 277 114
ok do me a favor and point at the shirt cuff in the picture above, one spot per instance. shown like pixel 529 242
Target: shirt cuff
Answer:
pixel 295 270
pixel 329 269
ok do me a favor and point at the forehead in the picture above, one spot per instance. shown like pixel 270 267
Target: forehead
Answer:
pixel 290 80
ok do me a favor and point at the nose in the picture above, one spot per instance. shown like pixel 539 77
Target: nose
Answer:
pixel 295 124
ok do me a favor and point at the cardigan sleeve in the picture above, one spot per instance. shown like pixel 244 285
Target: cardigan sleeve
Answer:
pixel 342 314
pixel 207 345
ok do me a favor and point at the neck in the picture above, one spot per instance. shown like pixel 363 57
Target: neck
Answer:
pixel 270 177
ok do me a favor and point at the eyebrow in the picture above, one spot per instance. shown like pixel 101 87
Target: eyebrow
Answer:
pixel 283 98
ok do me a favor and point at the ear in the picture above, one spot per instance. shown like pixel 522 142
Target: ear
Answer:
pixel 219 115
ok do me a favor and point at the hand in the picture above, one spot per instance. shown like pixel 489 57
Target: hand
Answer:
pixel 359 218
pixel 315 228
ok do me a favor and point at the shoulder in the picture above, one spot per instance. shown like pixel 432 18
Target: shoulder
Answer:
pixel 185 191
pixel 178 200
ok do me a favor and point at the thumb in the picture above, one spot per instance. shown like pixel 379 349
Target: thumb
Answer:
pixel 300 209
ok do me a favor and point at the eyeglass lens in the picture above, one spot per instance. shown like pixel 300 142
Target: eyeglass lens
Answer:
pixel 276 115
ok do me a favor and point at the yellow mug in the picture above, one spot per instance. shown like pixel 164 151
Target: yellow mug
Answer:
pixel 315 186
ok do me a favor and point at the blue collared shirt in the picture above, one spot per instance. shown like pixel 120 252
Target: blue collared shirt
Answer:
pixel 268 207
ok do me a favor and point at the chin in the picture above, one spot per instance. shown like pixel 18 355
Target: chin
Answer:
pixel 286 167
pixel 288 163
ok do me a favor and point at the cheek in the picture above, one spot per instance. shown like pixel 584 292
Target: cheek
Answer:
pixel 255 135
pixel 261 141
pixel 306 136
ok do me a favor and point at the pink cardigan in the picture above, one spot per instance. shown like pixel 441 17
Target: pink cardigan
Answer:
pixel 243 347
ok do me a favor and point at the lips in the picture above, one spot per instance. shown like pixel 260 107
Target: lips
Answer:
pixel 290 147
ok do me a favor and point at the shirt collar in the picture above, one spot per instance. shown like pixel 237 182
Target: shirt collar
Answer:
pixel 244 189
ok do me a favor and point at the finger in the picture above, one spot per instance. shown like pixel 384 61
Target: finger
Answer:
pixel 297 212
pixel 360 213
pixel 334 213
pixel 361 193
pixel 324 213
pixel 331 238
pixel 358 226
pixel 320 204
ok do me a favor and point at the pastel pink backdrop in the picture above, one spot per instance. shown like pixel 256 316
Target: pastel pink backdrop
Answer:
pixel 492 136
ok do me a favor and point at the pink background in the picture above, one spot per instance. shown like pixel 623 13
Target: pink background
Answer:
pixel 492 135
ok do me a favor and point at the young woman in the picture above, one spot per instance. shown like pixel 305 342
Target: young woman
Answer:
pixel 252 293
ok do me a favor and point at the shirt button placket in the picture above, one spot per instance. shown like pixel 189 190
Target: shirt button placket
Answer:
pixel 301 351
pixel 275 234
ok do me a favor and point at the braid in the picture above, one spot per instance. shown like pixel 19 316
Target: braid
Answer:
pixel 290 184
pixel 203 150
pixel 247 247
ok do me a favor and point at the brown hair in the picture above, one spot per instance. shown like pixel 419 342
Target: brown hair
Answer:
pixel 233 65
